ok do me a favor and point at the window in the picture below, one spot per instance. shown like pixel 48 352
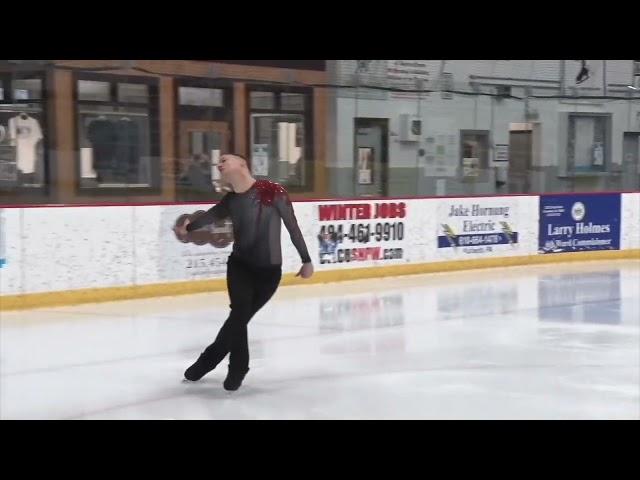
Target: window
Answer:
pixel 588 143
pixel 94 91
pixel 263 101
pixel 205 117
pixel 474 152
pixel 201 97
pixel 277 147
pixel 292 101
pixel 133 93
pixel 23 153
pixel 27 89
pixel 280 136
pixel 118 137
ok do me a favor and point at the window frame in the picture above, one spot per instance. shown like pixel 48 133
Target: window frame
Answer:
pixel 307 114
pixel 195 112
pixel 155 146
pixel 29 195
pixel 225 114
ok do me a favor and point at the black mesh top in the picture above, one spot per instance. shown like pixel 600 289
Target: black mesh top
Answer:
pixel 256 215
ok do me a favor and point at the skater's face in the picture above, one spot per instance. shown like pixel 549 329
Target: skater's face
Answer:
pixel 231 166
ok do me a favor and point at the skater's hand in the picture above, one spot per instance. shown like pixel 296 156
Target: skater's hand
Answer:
pixel 181 230
pixel 306 271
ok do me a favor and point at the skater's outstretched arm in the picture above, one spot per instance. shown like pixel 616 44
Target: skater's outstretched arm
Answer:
pixel 285 208
pixel 218 212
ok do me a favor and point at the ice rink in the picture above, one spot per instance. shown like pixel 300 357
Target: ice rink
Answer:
pixel 546 342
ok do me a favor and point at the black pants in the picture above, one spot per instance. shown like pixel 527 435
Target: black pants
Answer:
pixel 250 288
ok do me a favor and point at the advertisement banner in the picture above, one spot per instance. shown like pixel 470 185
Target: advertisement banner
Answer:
pixel 190 261
pixel 361 232
pixel 484 226
pixel 578 223
pixel 408 75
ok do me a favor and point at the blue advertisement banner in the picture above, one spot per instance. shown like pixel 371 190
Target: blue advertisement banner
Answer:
pixel 579 223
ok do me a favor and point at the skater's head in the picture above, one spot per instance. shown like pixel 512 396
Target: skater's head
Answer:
pixel 233 166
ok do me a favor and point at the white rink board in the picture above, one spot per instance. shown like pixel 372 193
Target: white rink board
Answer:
pixel 630 232
pixel 50 249
pixel 11 271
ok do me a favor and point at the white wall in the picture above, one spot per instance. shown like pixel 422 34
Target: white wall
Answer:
pixel 544 71
pixel 475 112
pixel 438 115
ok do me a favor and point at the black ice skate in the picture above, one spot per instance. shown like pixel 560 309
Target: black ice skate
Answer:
pixel 200 368
pixel 234 379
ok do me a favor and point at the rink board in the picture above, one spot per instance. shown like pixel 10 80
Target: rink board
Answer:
pixel 65 255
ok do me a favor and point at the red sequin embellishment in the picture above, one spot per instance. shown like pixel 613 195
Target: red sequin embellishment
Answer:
pixel 267 191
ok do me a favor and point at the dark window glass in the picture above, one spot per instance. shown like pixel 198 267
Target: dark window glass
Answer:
pixel 118 144
pixel 278 148
pixel 201 97
pixel 27 89
pixel 263 100
pixel 292 101
pixel 133 93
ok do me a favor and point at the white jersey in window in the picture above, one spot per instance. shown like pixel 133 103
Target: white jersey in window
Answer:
pixel 25 133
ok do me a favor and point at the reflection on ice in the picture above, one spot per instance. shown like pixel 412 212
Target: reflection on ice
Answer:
pixel 580 298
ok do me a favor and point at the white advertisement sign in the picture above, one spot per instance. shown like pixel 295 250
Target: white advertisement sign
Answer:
pixel 363 233
pixel 477 226
pixel 190 261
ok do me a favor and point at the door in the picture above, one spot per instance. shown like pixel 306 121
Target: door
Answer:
pixel 200 145
pixel 370 157
pixel 631 161
pixel 520 153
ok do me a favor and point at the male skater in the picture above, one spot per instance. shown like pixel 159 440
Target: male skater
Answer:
pixel 254 268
